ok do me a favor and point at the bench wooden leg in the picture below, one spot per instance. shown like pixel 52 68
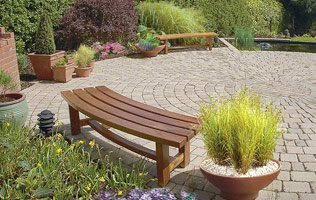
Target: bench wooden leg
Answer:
pixel 210 43
pixel 166 47
pixel 74 121
pixel 186 151
pixel 162 158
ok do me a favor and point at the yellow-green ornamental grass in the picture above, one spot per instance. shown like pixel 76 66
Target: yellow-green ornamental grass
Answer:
pixel 242 131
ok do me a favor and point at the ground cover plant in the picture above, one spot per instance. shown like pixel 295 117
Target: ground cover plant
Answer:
pixel 241 131
pixel 170 19
pixel 34 167
pixel 148 44
pixel 88 21
pixel 304 38
pixel 107 49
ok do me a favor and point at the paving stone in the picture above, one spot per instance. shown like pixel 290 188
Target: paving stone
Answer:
pixel 286 196
pixel 195 182
pixel 288 157
pixel 303 176
pixel 290 137
pixel 294 149
pixel 307 196
pixel 310 166
pixel 286 166
pixel 284 175
pixel 264 195
pixel 311 143
pixel 306 158
pixel 180 178
pixel 203 195
pixel 296 186
pixel 297 166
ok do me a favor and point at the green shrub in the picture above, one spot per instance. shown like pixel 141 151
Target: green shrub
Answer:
pixel 83 56
pixel 170 19
pixel 267 16
pixel 45 43
pixel 243 38
pixel 22 17
pixel 242 131
pixel 38 167
pixel 6 83
pixel 23 62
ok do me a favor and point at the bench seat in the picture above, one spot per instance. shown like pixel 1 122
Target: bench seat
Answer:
pixel 106 108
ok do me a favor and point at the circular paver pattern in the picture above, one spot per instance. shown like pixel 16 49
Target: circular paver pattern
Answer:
pixel 181 80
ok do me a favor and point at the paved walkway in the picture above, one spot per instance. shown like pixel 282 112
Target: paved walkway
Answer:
pixel 180 81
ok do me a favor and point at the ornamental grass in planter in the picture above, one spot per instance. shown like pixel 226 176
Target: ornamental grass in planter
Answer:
pixel 149 47
pixel 45 56
pixel 63 70
pixel 83 58
pixel 13 106
pixel 240 134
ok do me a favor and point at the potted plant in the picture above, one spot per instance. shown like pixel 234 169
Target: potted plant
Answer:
pixel 240 135
pixel 63 70
pixel 83 58
pixel 45 56
pixel 13 106
pixel 150 46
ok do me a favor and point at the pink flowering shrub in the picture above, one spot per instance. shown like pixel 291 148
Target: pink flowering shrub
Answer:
pixel 109 48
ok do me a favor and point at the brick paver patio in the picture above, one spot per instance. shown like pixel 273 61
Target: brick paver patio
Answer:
pixel 180 81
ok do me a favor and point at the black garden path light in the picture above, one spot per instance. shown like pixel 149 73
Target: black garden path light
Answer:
pixel 46 122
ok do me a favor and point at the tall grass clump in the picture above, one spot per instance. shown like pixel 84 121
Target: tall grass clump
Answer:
pixel 170 19
pixel 244 38
pixel 242 131
pixel 36 167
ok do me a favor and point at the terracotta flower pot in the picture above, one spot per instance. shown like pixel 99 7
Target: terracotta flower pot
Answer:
pixel 63 73
pixel 83 71
pixel 92 65
pixel 14 110
pixel 151 53
pixel 43 64
pixel 240 188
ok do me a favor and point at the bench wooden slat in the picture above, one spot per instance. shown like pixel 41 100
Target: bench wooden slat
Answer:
pixel 185 35
pixel 122 124
pixel 131 117
pixel 142 106
pixel 137 111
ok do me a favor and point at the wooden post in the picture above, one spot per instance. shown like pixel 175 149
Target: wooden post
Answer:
pixel 210 43
pixel 186 151
pixel 74 121
pixel 166 47
pixel 162 158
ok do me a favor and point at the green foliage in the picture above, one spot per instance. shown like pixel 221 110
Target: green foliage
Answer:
pixel 22 17
pixel 84 55
pixel 222 15
pixel 304 39
pixel 170 19
pixel 148 44
pixel 45 43
pixel 243 38
pixel 242 131
pixel 144 32
pixel 34 167
pixel 6 82
pixel 267 16
pixel 62 61
pixel 23 62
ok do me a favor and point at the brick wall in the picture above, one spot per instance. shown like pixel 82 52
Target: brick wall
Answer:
pixel 8 59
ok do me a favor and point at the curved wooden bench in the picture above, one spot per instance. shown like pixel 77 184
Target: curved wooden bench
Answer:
pixel 164 39
pixel 106 108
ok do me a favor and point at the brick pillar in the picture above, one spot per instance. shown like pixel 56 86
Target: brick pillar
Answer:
pixel 8 59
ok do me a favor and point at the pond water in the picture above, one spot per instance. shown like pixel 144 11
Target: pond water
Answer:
pixel 282 46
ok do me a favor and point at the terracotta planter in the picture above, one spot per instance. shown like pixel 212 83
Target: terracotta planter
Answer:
pixel 92 65
pixel 43 64
pixel 151 53
pixel 240 188
pixel 83 71
pixel 16 110
pixel 63 73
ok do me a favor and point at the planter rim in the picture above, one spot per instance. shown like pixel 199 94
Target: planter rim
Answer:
pixel 163 45
pixel 67 66
pixel 234 177
pixel 56 52
pixel 18 98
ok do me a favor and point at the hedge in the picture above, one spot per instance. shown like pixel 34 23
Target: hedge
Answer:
pixel 22 18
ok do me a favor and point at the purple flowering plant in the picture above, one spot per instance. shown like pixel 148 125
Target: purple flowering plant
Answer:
pixel 148 44
pixel 142 194
pixel 109 48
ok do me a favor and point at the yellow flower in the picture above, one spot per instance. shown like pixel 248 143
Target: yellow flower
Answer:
pixel 119 193
pixel 59 150
pixel 89 185
pixel 81 142
pixel 73 170
pixel 8 124
pixel 39 165
pixel 59 135
pixel 88 188
pixel 58 124
pixel 9 159
pixel 72 147
pixel 102 179
pixel 81 166
pixel 50 138
pixel 91 143
pixel 140 174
